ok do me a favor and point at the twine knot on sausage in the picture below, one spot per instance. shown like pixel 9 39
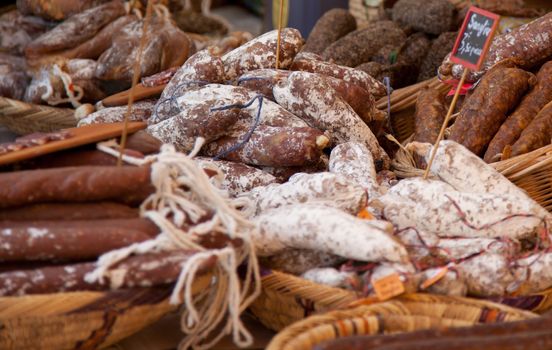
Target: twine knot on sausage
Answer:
pixel 53 98
pixel 184 196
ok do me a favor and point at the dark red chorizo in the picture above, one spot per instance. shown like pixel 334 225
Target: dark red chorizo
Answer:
pixel 430 114
pixel 527 110
pixel 538 134
pixel 272 146
pixel 483 112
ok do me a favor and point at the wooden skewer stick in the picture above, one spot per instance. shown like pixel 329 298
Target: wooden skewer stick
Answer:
pixel 280 19
pixel 446 121
pixel 135 77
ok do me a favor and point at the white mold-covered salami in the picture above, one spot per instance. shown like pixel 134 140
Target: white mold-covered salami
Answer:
pixel 354 161
pixel 534 273
pixel 330 277
pixel 329 230
pixel 310 97
pixel 202 67
pixel 451 283
pixel 238 178
pixel 261 53
pixel 487 274
pixel 270 146
pixel 298 261
pixel 191 123
pixel 218 95
pixel 310 62
pixel 466 172
pixel 140 112
pixel 333 189
pixel 436 208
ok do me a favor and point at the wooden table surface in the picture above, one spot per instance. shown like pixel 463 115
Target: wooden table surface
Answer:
pixel 166 334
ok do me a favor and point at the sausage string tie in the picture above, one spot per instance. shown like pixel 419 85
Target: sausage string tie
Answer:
pixel 173 98
pixel 247 136
pixel 184 196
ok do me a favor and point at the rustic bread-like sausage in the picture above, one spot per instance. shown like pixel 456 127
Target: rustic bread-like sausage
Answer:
pixel 333 25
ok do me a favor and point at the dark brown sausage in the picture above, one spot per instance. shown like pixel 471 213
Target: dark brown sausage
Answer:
pixel 537 134
pixel 127 184
pixel 333 25
pixel 70 240
pixel 527 110
pixel 69 211
pixel 482 114
pixel 162 268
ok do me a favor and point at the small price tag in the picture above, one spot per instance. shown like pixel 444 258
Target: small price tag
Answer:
pixel 365 214
pixel 474 38
pixel 388 287
pixel 437 275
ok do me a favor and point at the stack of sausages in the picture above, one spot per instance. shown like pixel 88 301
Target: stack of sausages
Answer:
pixel 56 221
pixel 506 115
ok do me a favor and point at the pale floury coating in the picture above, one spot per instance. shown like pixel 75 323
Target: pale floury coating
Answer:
pixel 218 95
pixel 310 97
pixel 534 273
pixel 466 172
pixel 328 230
pixel 436 208
pixel 354 161
pixel 329 276
pixel 332 189
pixel 237 178
pixel 487 274
pixel 261 53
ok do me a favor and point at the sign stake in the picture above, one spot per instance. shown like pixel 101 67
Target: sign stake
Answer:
pixel 446 121
pixel 135 77
pixel 280 20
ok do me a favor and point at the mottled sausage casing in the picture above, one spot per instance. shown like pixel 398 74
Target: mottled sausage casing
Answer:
pixel 430 114
pixel 201 68
pixel 538 134
pixel 130 185
pixel 314 64
pixel 261 53
pixel 527 110
pixel 311 98
pixel 238 178
pixel 484 111
pixel 272 146
pixel 146 270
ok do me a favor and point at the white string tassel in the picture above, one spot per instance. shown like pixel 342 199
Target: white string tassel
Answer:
pixel 186 195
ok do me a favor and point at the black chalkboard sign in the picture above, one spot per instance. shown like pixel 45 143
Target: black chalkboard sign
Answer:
pixel 474 38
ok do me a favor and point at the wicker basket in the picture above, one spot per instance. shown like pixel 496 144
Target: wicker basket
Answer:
pixel 405 314
pixel 81 320
pixel 287 299
pixel 24 118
